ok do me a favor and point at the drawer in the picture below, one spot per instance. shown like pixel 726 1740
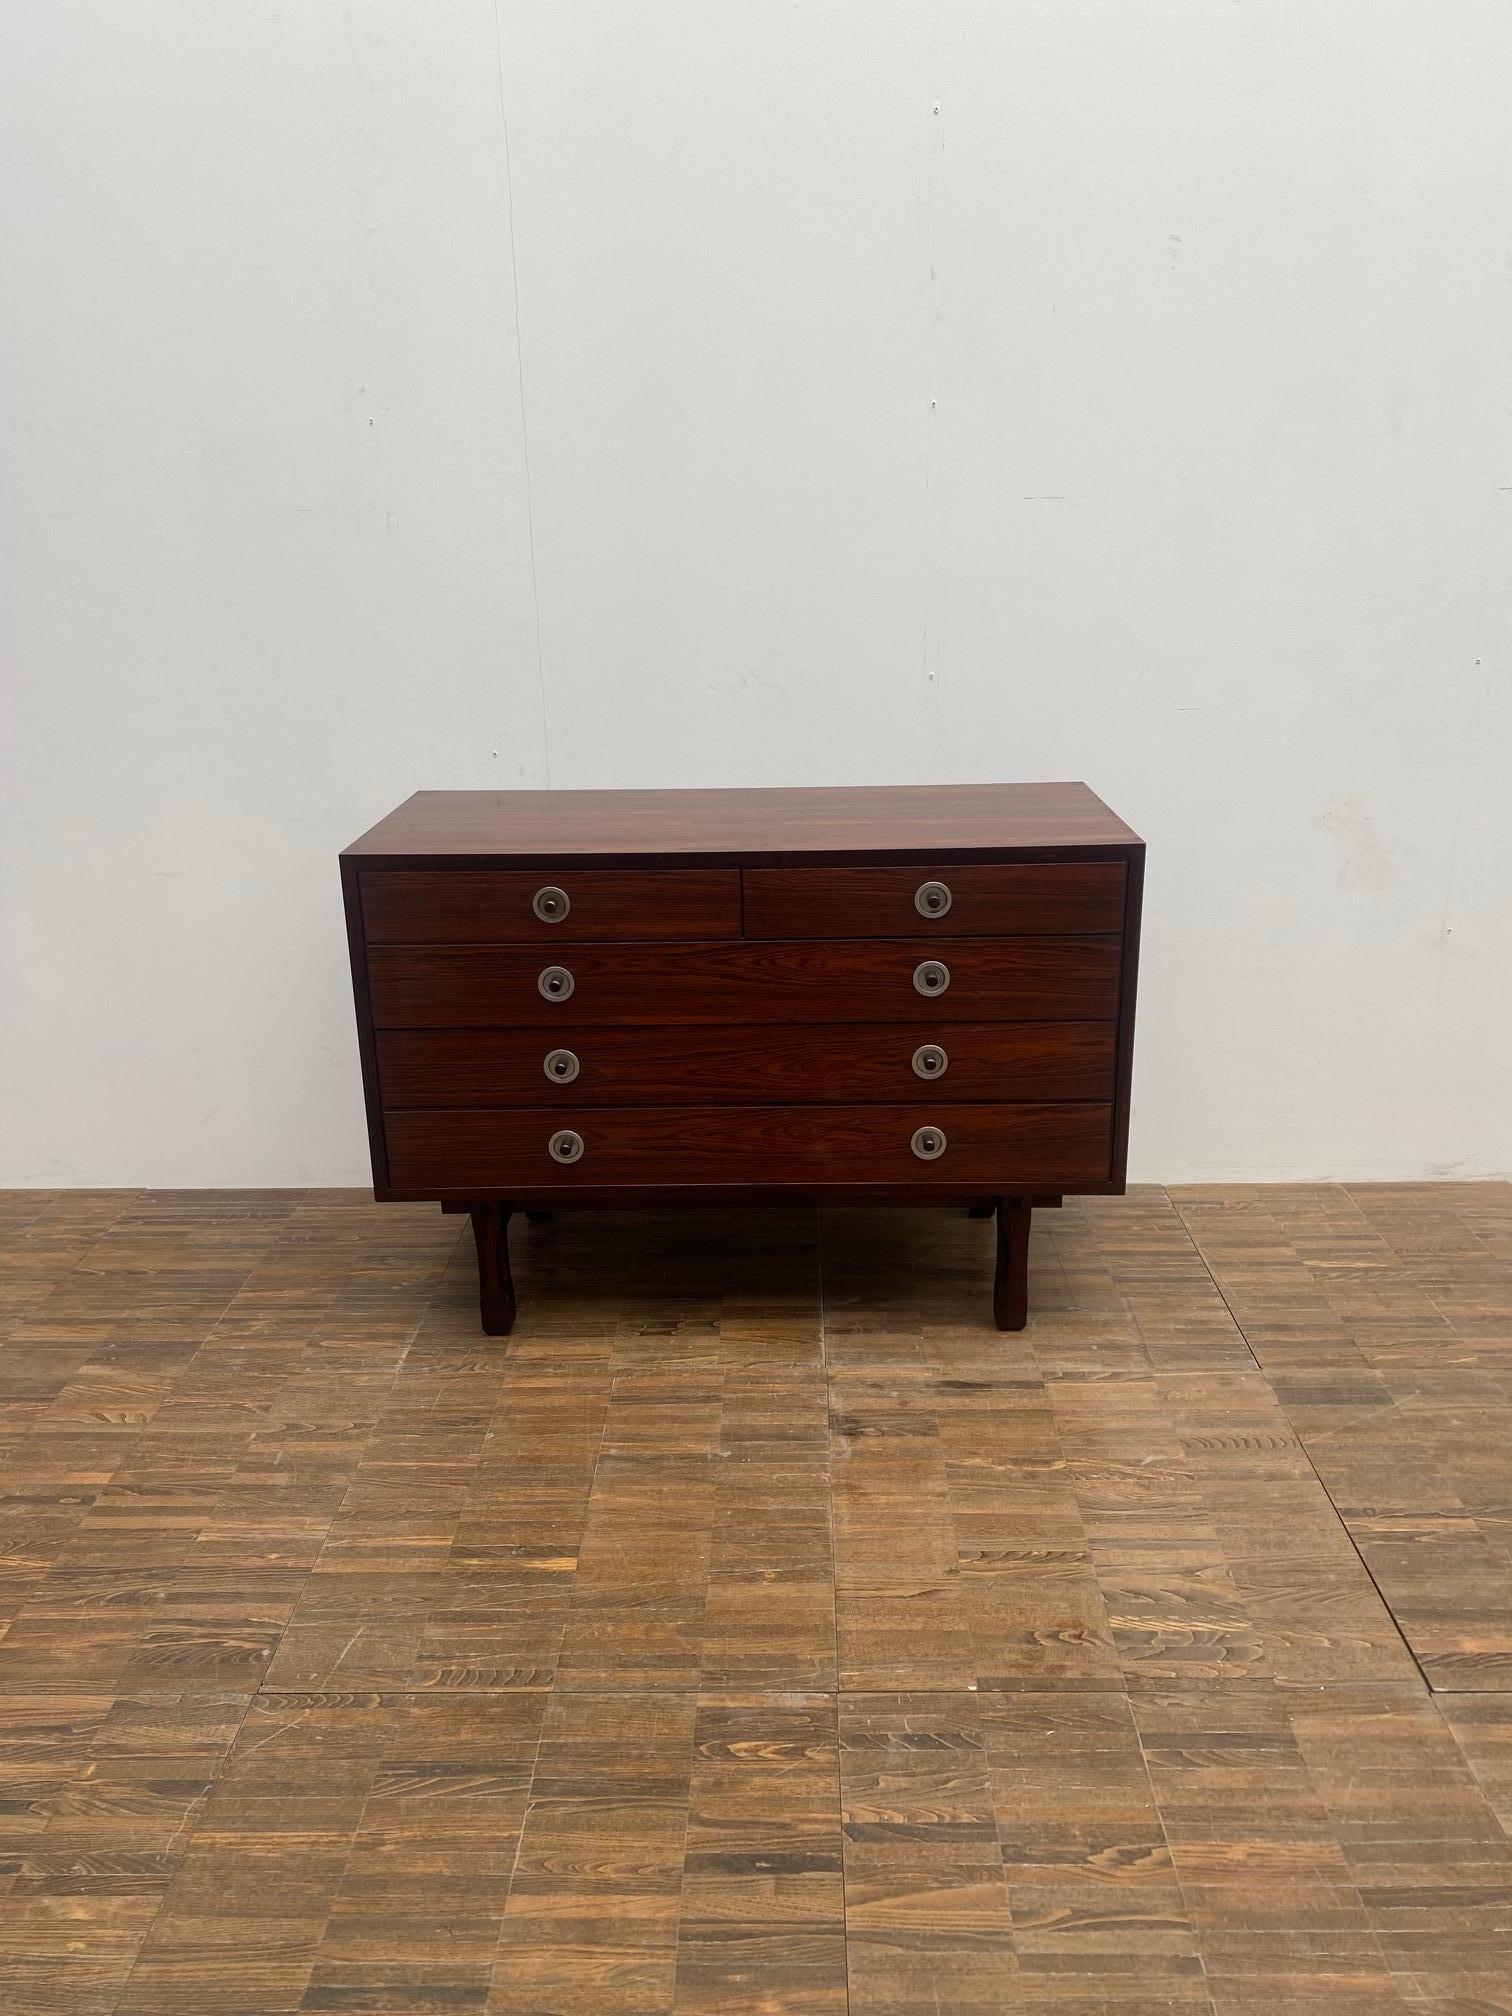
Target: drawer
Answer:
pixel 986 980
pixel 948 902
pixel 998 1147
pixel 480 906
pixel 705 1063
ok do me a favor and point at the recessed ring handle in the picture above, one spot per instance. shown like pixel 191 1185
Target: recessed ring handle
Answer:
pixel 931 976
pixel 928 1143
pixel 566 1145
pixel 551 904
pixel 561 1066
pixel 930 1060
pixel 555 983
pixel 932 899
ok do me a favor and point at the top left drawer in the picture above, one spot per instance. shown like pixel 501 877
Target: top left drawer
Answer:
pixel 479 906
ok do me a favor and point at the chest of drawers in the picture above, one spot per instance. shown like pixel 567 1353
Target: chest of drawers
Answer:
pixel 894 995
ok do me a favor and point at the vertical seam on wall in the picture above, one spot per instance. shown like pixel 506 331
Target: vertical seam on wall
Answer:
pixel 514 275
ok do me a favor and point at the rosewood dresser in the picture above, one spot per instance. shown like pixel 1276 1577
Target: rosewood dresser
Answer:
pixel 919 995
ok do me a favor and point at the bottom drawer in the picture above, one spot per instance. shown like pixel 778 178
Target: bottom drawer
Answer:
pixel 1047 1147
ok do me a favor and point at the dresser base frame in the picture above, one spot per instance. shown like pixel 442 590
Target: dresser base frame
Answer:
pixel 1010 1287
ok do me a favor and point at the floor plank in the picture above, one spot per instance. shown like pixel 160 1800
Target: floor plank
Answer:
pixel 757 1630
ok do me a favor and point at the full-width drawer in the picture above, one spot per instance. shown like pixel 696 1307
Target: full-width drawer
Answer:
pixel 704 1063
pixel 1048 1147
pixel 479 906
pixel 1047 897
pixel 966 980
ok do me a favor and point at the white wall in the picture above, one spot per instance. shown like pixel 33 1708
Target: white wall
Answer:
pixel 916 389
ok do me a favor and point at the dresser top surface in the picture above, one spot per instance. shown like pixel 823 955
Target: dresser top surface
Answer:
pixel 862 820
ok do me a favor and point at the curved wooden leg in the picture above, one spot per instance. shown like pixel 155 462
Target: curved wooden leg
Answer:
pixel 1010 1290
pixel 496 1296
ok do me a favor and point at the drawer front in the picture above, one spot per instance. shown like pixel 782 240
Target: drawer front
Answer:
pixel 1012 979
pixel 945 902
pixel 1000 1147
pixel 480 906
pixel 704 1063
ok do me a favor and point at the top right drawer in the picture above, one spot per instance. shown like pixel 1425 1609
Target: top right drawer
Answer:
pixel 998 900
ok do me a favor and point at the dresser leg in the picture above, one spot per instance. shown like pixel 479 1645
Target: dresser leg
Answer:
pixel 496 1296
pixel 987 1210
pixel 1010 1290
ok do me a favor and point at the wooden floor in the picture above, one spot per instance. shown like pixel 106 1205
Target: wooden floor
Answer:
pixel 757 1629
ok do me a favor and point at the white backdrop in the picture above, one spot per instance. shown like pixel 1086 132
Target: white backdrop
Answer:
pixel 624 393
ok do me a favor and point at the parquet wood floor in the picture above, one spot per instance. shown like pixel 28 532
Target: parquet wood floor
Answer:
pixel 756 1631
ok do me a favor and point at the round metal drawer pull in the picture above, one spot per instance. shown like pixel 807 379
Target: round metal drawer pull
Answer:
pixel 932 899
pixel 555 983
pixel 565 1145
pixel 930 1061
pixel 551 904
pixel 928 1143
pixel 931 976
pixel 561 1066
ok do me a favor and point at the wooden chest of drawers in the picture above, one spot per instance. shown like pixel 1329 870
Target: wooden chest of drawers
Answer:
pixel 898 995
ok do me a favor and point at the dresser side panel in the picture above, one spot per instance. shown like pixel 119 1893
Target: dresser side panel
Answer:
pixel 746 981
pixel 351 895
pixel 1128 987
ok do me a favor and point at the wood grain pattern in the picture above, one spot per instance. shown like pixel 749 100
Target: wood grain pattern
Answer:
pixel 473 906
pixel 1010 979
pixel 505 1152
pixel 1006 900
pixel 759 1629
pixel 707 1064
pixel 868 821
